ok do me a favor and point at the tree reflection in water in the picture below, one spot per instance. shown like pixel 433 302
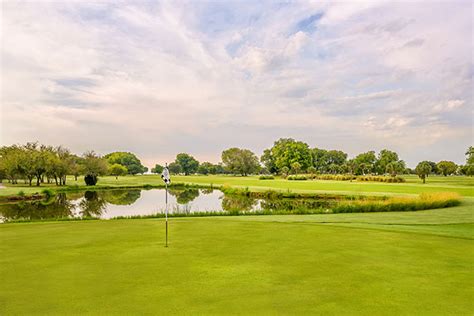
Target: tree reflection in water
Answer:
pixel 92 205
pixel 121 197
pixel 183 199
pixel 56 207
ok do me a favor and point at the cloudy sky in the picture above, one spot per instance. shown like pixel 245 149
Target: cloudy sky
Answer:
pixel 195 76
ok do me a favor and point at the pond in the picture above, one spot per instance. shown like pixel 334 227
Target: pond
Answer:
pixel 108 204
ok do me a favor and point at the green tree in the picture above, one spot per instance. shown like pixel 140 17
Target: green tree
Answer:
pixel 188 163
pixel 395 167
pixel 174 168
pixel 286 151
pixel 240 161
pixel 128 160
pixel 296 167
pixel 384 158
pixel 423 169
pixel 312 171
pixel 365 162
pixel 158 169
pixel 205 168
pixel 93 167
pixel 446 167
pixel 285 171
pixel 320 159
pixel 268 161
pixel 117 170
pixel 470 155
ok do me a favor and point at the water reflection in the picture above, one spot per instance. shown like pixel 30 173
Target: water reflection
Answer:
pixel 135 202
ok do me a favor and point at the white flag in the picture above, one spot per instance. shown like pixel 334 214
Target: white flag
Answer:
pixel 165 175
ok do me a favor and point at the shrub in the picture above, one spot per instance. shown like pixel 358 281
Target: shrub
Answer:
pixel 90 179
pixel 381 179
pixel 21 193
pixel 297 177
pixel 266 177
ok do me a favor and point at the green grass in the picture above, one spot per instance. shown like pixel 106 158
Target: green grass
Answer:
pixel 395 263
pixel 459 184
pixel 388 263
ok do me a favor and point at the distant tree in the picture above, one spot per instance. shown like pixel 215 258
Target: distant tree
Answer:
pixel 269 161
pixel 285 171
pixel 423 169
pixel 117 170
pixel 240 161
pixel 320 159
pixel 93 167
pixel 286 151
pixel 128 160
pixel 205 168
pixel 158 169
pixel 188 163
pixel 446 167
pixel 296 167
pixel 216 169
pixel 470 155
pixel 174 168
pixel 384 158
pixel 395 167
pixel 365 162
pixel 312 171
pixel 336 157
pixel 434 167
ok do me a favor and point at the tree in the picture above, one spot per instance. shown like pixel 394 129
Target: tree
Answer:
pixel 240 161
pixel 365 162
pixel 187 163
pixel 423 169
pixel 312 171
pixel 93 167
pixel 296 167
pixel 320 159
pixel 128 160
pixel 434 167
pixel 446 167
pixel 395 167
pixel 205 168
pixel 117 170
pixel 174 168
pixel 268 161
pixel 336 157
pixel 286 151
pixel 158 169
pixel 285 171
pixel 384 158
pixel 470 155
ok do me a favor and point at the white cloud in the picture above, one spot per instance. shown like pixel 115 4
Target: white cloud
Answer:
pixel 200 76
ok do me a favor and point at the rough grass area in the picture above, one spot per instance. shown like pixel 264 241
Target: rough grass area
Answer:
pixel 350 264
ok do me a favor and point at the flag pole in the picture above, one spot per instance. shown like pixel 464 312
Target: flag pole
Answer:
pixel 166 213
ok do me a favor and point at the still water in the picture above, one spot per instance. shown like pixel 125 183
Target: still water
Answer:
pixel 115 203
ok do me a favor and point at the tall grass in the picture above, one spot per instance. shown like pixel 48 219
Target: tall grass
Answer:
pixel 424 201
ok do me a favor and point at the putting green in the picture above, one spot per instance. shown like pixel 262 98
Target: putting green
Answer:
pixel 323 264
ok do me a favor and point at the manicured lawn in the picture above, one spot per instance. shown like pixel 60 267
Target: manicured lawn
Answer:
pixel 325 264
pixel 461 185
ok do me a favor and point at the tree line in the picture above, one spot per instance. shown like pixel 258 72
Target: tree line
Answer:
pixel 289 156
pixel 35 163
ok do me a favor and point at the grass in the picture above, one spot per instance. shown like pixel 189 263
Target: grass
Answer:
pixel 459 184
pixel 309 264
pixel 392 263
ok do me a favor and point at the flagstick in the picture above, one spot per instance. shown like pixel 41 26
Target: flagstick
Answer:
pixel 166 214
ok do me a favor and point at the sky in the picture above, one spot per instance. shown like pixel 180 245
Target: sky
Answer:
pixel 160 78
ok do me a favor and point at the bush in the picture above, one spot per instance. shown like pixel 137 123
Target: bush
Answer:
pixel 266 177
pixel 296 177
pixel 90 179
pixel 381 179
pixel 337 177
